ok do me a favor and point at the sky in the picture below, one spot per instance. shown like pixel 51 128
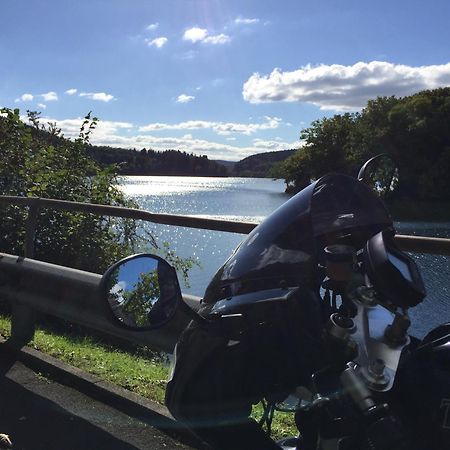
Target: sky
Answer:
pixel 221 78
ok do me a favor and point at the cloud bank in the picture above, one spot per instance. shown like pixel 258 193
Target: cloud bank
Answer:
pixel 221 128
pixel 338 87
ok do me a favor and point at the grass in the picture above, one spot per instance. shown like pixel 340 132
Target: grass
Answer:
pixel 144 375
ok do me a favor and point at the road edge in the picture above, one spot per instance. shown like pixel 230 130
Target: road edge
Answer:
pixel 106 392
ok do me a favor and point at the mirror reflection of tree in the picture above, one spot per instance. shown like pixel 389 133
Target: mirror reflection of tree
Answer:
pixel 139 299
pixel 383 178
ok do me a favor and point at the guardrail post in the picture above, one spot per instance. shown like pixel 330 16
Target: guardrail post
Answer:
pixel 30 231
pixel 22 325
pixel 23 316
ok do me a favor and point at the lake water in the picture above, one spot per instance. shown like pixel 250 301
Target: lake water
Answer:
pixel 250 200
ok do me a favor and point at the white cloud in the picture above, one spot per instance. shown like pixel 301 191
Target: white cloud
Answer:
pixel 24 98
pixel 187 136
pixel 196 34
pixel 221 128
pixel 50 96
pixel 243 128
pixel 158 42
pixel 183 98
pixel 152 26
pixel 100 96
pixel 189 125
pixel 104 129
pixel 217 39
pixel 245 21
pixel 72 91
pixel 42 106
pixel 275 145
pixel 339 87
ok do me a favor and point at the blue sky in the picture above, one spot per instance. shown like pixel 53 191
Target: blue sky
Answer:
pixel 223 78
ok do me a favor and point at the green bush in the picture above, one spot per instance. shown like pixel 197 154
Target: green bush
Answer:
pixel 37 161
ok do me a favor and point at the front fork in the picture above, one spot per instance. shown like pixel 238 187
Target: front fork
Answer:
pixel 350 420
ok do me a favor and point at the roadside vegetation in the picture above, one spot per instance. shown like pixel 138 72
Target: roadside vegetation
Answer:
pixel 37 161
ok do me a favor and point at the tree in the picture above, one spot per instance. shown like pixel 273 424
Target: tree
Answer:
pixel 413 130
pixel 38 161
pixel 139 299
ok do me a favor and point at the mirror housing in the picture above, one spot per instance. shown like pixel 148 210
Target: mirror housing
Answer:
pixel 380 173
pixel 141 292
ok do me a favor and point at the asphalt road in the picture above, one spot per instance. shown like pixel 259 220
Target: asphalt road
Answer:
pixel 38 413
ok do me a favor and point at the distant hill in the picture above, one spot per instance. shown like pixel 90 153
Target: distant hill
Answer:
pixel 229 165
pixel 259 165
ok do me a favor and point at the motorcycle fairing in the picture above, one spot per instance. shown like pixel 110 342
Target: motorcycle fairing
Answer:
pixel 285 249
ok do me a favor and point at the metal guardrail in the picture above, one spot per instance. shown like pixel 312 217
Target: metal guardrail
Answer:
pixel 71 295
pixel 74 295
pixel 419 244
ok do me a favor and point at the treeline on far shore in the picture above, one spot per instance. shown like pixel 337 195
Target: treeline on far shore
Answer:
pixel 151 162
pixel 175 162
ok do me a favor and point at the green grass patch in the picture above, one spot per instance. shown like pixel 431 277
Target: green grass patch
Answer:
pixel 144 375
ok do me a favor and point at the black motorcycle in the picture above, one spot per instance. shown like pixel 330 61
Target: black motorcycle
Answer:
pixel 309 315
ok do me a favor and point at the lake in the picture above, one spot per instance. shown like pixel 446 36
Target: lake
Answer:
pixel 250 200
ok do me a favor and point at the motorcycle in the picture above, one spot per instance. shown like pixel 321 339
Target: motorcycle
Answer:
pixel 309 315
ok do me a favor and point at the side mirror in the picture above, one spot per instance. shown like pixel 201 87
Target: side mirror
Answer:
pixel 141 292
pixel 380 173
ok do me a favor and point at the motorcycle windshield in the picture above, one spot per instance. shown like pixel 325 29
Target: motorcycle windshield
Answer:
pixel 340 203
pixel 284 250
